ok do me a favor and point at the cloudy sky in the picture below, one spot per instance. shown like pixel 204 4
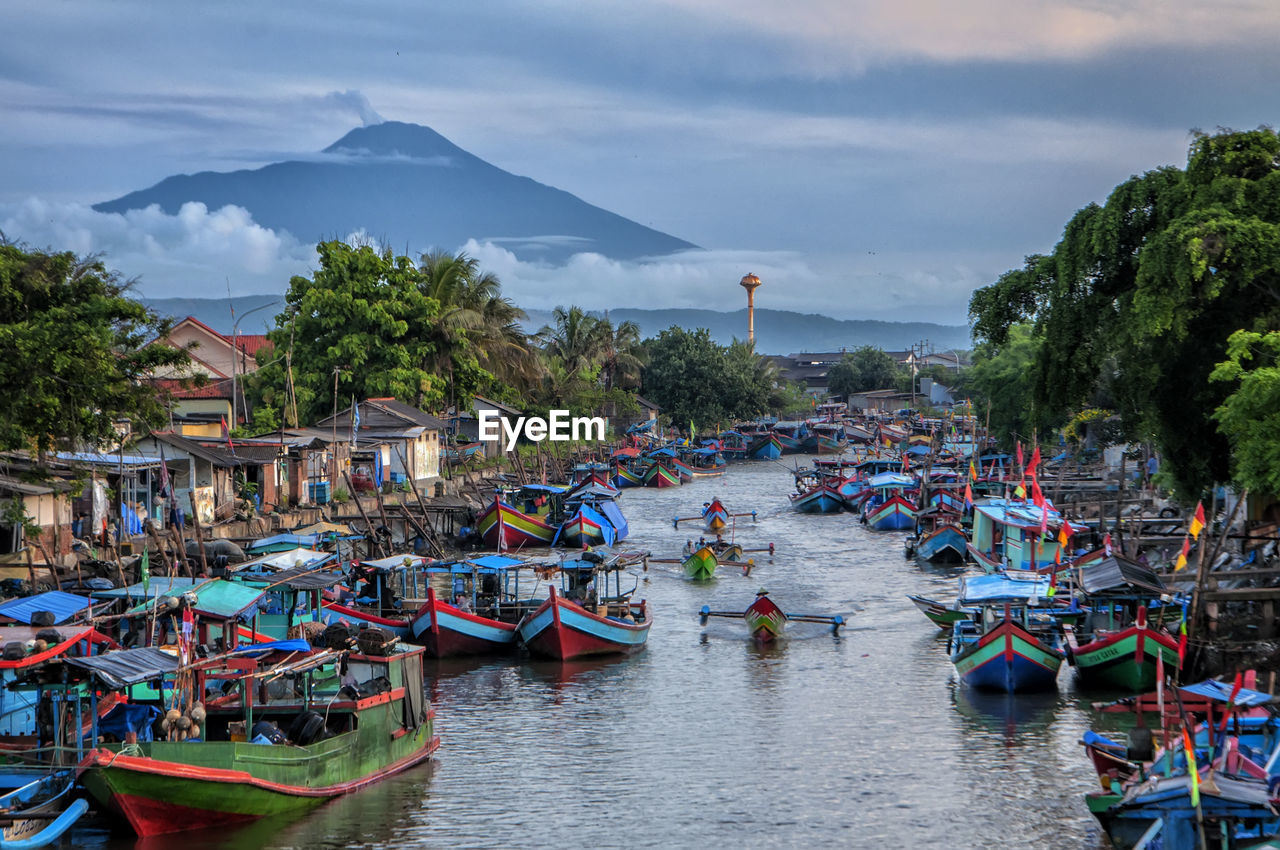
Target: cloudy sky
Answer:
pixel 866 158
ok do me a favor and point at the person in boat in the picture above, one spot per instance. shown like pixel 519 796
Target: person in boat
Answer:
pixel 462 602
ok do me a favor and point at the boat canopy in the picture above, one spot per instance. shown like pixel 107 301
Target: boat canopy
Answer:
pixel 63 606
pixel 301 578
pixel 1016 513
pixel 640 427
pixel 215 599
pixel 127 666
pixel 290 559
pixel 1000 587
pixel 281 542
pixel 1120 574
pixel 891 479
pixel 494 562
pixel 254 650
pixel 613 513
pixel 1221 692
pixel 396 562
pixel 160 586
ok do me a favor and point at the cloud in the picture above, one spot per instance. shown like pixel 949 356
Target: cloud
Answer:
pixel 182 254
pixel 357 103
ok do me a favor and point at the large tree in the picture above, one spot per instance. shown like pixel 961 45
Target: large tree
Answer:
pixel 1136 303
pixel 863 369
pixel 76 356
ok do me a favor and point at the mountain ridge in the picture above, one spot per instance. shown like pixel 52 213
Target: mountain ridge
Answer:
pixel 777 331
pixel 406 184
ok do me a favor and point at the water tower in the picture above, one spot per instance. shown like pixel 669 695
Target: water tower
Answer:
pixel 749 283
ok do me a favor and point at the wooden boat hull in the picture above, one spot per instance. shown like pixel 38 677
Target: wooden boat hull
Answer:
pixel 1126 659
pixel 820 500
pixel 503 527
pixel 945 544
pixel 766 448
pixel 940 615
pixel 563 631
pixel 1008 658
pixel 715 517
pixel 765 620
pixel 332 612
pixel 659 475
pixel 579 531
pixel 445 631
pixel 626 478
pixel 701 565
pixel 896 514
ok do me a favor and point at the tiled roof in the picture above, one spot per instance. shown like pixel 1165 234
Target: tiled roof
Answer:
pixel 213 389
pixel 251 343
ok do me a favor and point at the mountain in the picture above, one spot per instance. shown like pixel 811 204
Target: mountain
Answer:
pixel 407 185
pixel 777 331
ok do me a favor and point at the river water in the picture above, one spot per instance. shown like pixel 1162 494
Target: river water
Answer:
pixel 861 739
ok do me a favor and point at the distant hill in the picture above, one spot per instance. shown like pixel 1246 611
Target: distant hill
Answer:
pixel 777 331
pixel 787 332
pixel 406 185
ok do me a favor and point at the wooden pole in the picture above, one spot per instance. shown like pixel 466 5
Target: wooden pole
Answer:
pixel 195 521
pixel 430 536
pixel 1206 565
pixel 373 534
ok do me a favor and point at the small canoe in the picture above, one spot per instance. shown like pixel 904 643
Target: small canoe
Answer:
pixel 765 620
pixel 701 564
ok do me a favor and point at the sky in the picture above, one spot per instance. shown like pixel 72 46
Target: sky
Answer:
pixel 866 159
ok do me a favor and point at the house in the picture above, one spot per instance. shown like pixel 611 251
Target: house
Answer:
pixel 210 475
pixel 938 395
pixel 647 412
pixel 466 423
pixel 223 361
pixel 403 439
pixel 45 504
pixel 880 401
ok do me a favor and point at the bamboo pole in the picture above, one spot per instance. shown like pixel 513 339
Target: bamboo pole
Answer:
pixel 373 534
pixel 431 537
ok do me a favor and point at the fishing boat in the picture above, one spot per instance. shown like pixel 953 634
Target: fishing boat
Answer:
pixel 701 564
pixel 596 522
pixel 1116 645
pixel 506 527
pixel 891 506
pixel 599 623
pixel 352 719
pixel 1012 646
pixel 939 538
pixel 41 811
pixel 791 436
pixel 662 474
pixel 765 447
pixel 941 615
pixel 766 621
pixel 482 616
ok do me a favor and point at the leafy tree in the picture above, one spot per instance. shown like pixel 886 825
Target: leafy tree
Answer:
pixel 1251 414
pixel 861 370
pixel 1136 303
pixel 347 332
pixel 686 376
pixel 76 356
pixel 1000 381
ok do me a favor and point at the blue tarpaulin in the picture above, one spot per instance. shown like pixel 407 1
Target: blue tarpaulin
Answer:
pixel 128 717
pixel 1221 691
pixel 495 562
pixel 255 649
pixel 614 514
pixel 590 515
pixel 976 590
pixel 62 605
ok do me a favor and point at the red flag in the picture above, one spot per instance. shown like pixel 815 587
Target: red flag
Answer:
pixel 1037 495
pixel 968 497
pixel 1106 543
pixel 1020 464
pixel 226 434
pixel 1181 562
pixel 1035 461
pixel 1182 640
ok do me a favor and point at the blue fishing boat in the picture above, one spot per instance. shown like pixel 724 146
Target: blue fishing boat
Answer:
pixel 940 539
pixel 891 504
pixel 592 523
pixel 821 498
pixel 765 447
pixel 1012 646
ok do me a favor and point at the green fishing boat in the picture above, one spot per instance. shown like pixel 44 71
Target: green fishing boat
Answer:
pixel 701 565
pixel 351 719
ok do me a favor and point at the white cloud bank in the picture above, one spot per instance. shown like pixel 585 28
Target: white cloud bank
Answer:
pixel 199 253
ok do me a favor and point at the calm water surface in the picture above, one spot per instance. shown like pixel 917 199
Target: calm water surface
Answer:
pixel 858 740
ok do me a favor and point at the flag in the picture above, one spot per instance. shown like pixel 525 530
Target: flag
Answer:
pixel 226 435
pixel 973 473
pixel 1053 581
pixel 1020 464
pixel 355 420
pixel 906 463
pixel 968 497
pixel 1106 543
pixel 144 571
pixel 1197 521
pixel 1037 495
pixel 1033 463
pixel 1181 563
pixel 1020 492
pixel 1064 534
pixel 164 476
pixel 1192 770
pixel 1044 520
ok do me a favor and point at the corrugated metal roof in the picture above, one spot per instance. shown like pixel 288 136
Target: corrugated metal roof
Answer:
pixel 62 605
pixel 1120 574
pixel 218 599
pixel 1221 691
pixel 160 585
pixel 127 666
pixel 289 559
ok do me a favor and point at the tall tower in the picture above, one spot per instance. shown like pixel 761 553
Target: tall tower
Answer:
pixel 749 283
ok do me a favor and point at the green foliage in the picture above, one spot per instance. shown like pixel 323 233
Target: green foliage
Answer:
pixel 1001 382
pixel 588 363
pixel 1251 414
pixel 75 349
pixel 693 379
pixel 862 370
pixel 1134 306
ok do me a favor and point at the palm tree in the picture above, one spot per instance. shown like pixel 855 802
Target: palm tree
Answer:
pixel 621 357
pixel 575 340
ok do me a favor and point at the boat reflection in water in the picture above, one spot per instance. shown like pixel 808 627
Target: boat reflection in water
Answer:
pixel 1015 717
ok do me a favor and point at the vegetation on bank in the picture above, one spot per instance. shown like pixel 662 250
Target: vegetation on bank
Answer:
pixel 1161 305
